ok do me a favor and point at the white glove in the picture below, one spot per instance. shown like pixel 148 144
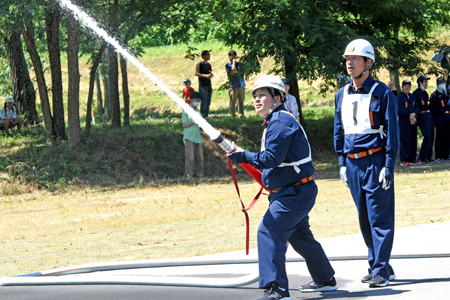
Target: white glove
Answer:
pixel 343 175
pixel 386 177
pixel 235 148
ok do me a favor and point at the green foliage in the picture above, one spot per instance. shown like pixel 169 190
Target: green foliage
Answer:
pixel 307 38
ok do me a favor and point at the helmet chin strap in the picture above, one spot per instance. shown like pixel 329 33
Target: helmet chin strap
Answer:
pixel 365 70
pixel 271 109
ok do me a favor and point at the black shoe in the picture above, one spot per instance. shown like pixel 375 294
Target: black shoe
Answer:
pixel 368 278
pixel 275 293
pixel 326 287
pixel 378 281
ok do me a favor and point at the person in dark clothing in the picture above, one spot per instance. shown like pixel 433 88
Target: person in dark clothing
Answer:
pixel 440 109
pixel 407 112
pixel 366 143
pixel 285 159
pixel 425 119
pixel 203 71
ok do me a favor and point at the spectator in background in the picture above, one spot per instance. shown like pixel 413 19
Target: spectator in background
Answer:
pixel 441 111
pixel 203 71
pixel 391 86
pixel 8 117
pixel 291 102
pixel 424 119
pixel 236 85
pixel 187 91
pixel 407 112
pixel 193 140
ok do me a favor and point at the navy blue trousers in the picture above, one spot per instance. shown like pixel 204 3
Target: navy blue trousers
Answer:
pixel 442 144
pixel 376 210
pixel 426 125
pixel 206 93
pixel 287 220
pixel 408 140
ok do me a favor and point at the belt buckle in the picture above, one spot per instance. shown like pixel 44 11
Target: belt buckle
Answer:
pixel 357 155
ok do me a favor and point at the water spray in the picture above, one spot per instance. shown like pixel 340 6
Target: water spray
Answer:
pixel 214 134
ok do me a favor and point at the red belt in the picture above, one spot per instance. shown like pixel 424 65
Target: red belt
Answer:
pixel 364 153
pixel 424 111
pixel 446 112
pixel 303 181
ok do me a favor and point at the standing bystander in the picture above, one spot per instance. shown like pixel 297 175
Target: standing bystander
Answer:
pixel 424 119
pixel 193 140
pixel 407 113
pixel 187 90
pixel 291 102
pixel 440 107
pixel 391 86
pixel 236 85
pixel 203 71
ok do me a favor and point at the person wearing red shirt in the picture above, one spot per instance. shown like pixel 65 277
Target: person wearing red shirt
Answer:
pixel 187 91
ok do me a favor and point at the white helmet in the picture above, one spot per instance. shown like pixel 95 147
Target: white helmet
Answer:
pixel 270 82
pixel 360 47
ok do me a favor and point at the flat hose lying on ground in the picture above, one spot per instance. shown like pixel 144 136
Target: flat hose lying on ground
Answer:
pixel 63 276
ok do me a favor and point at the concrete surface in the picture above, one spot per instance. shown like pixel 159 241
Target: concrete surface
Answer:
pixel 417 278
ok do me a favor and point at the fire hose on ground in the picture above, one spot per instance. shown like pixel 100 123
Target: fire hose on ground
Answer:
pixel 63 276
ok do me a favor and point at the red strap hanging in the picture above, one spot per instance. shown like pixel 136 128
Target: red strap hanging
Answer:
pixel 244 210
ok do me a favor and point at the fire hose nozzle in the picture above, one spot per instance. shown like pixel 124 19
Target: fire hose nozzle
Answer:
pixel 224 144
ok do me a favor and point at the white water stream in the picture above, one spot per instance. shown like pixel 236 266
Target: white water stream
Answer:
pixel 92 24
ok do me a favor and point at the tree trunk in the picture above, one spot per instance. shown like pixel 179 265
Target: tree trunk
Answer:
pixel 23 89
pixel 28 35
pixel 73 98
pixel 98 86
pixel 126 95
pixel 289 68
pixel 105 78
pixel 394 74
pixel 52 20
pixel 92 79
pixel 114 87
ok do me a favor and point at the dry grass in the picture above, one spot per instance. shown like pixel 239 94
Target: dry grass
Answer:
pixel 44 231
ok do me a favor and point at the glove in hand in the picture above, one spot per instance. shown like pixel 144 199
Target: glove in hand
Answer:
pixel 343 175
pixel 386 177
pixel 237 155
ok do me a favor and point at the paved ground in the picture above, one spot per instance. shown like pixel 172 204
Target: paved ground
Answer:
pixel 417 278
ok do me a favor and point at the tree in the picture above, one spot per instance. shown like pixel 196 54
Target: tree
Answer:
pixel 12 16
pixel 29 37
pixel 52 22
pixel 93 77
pixel 22 86
pixel 74 81
pixel 114 69
pixel 404 29
pixel 305 38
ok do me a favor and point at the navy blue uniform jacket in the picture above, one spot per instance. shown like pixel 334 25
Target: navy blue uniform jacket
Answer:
pixel 285 142
pixel 383 106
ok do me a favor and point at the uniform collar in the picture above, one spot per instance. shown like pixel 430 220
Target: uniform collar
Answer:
pixel 367 84
pixel 442 92
pixel 267 119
